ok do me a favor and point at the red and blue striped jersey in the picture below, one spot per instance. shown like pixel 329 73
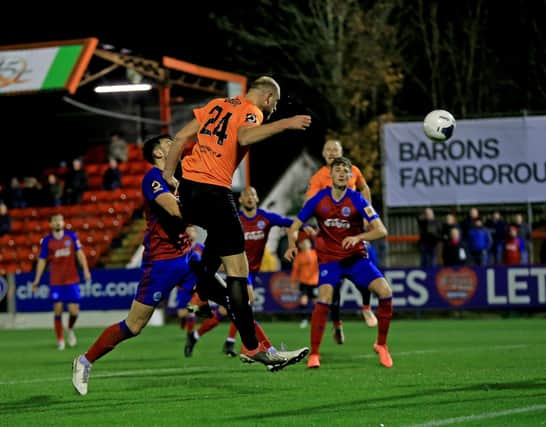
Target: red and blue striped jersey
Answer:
pixel 256 231
pixel 158 244
pixel 60 254
pixel 337 220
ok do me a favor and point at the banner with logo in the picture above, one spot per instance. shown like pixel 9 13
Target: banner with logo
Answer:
pixel 108 290
pixel 498 287
pixel 486 161
pixel 44 66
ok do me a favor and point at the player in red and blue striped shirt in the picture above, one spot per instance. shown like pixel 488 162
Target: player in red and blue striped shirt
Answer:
pixel 167 261
pixel 342 214
pixel 62 251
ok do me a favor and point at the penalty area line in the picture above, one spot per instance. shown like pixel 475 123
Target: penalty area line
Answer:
pixel 478 417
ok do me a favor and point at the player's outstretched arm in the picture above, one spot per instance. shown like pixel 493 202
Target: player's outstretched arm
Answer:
pixel 248 135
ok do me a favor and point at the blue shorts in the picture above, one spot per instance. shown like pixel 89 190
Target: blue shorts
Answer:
pixel 360 271
pixel 65 293
pixel 160 277
pixel 185 291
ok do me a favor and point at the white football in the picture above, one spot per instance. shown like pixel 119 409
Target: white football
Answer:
pixel 439 125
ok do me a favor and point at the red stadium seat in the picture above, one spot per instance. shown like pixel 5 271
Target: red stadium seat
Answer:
pixel 8 255
pixel 94 182
pixel 131 181
pixel 17 226
pixel 139 168
pixel 9 268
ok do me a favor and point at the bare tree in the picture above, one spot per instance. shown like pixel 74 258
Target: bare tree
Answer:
pixel 345 54
pixel 334 47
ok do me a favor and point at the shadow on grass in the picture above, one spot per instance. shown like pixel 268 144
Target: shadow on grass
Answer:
pixel 393 402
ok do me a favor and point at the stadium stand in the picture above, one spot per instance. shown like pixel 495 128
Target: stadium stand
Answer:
pixel 102 217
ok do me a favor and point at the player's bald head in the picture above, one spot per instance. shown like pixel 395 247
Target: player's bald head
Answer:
pixel 266 84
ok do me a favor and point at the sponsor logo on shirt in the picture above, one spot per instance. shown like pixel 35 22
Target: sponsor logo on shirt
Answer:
pixel 254 235
pixel 64 252
pixel 337 223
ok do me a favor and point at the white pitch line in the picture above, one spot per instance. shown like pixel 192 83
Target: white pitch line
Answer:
pixel 110 375
pixel 199 368
pixel 483 416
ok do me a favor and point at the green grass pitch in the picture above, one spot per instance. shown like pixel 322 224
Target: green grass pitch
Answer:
pixel 446 372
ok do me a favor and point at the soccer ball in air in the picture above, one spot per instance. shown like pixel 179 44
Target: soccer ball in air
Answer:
pixel 439 125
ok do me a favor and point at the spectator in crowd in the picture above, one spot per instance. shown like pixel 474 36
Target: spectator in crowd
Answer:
pixel 14 194
pixel 449 223
pixel 5 219
pixel 513 248
pixel 497 227
pixel 111 180
pixel 524 232
pixel 429 237
pixel 454 251
pixel 118 148
pixel 479 242
pixel 53 191
pixel 32 191
pixel 468 222
pixel 75 183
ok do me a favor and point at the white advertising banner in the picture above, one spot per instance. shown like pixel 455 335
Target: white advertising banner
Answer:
pixel 486 161
pixel 25 70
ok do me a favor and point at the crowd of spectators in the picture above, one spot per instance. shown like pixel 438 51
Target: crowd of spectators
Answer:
pixel 54 189
pixel 474 240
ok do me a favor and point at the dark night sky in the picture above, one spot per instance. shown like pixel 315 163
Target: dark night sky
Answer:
pixel 48 130
pixel 36 127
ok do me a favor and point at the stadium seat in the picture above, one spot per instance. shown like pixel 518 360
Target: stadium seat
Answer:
pixel 94 182
pixel 95 154
pixel 24 267
pixel 135 152
pixel 139 168
pixel 7 255
pixel 131 181
pixel 17 226
pixel 94 169
pixel 9 268
pixel 20 240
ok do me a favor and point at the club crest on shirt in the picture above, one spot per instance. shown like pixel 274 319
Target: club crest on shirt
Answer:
pixel 156 186
pixel 251 118
pixel 345 211
pixel 67 243
pixel 261 225
pixel 157 296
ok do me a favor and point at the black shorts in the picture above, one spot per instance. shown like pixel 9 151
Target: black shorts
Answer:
pixel 310 290
pixel 213 208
